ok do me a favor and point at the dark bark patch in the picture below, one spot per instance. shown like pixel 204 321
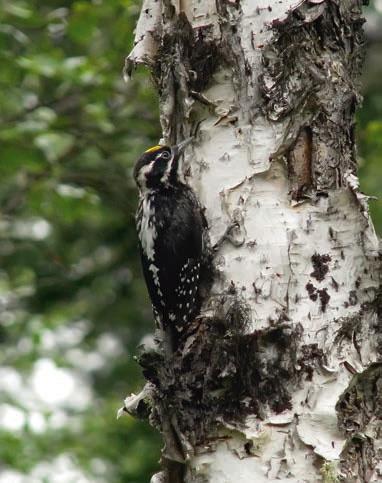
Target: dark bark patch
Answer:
pixel 361 402
pixel 193 48
pixel 315 294
pixel 358 460
pixel 248 446
pixel 324 298
pixel 350 328
pixel 224 373
pixel 315 44
pixel 310 358
pixel 268 367
pixel 377 305
pixel 334 284
pixel 186 61
pixel 320 266
pixel 174 471
pixel 331 233
pixel 312 291
pixel 300 164
pixel 353 297
pixel 359 414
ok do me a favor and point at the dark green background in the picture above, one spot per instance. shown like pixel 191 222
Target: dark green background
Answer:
pixel 70 132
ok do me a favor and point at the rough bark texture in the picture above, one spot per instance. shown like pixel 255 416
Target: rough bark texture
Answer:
pixel 279 378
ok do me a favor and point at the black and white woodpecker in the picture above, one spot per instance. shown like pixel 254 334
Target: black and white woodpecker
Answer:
pixel 170 226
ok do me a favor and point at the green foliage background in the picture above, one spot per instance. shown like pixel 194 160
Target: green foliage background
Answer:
pixel 72 302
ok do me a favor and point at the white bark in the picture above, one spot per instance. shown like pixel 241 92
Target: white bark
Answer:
pixel 307 265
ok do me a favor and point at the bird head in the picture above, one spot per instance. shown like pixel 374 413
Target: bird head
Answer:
pixel 159 166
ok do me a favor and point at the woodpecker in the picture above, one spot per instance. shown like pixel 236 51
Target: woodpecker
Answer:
pixel 170 226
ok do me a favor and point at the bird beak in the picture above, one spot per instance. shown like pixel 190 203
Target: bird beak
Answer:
pixel 178 149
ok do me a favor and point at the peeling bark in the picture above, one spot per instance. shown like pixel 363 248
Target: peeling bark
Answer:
pixel 279 377
pixel 299 159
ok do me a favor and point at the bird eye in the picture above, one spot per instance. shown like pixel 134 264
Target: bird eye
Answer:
pixel 165 155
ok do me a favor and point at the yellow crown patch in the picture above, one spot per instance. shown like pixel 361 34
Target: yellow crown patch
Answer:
pixel 154 148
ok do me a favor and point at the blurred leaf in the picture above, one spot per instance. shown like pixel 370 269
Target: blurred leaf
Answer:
pixel 15 158
pixel 54 145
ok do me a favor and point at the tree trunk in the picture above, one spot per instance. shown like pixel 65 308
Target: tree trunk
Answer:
pixel 279 378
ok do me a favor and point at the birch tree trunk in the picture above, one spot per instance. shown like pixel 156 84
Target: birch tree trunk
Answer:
pixel 280 378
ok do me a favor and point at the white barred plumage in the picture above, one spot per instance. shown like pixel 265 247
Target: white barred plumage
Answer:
pixel 170 227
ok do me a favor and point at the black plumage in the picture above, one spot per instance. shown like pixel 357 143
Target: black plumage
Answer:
pixel 170 227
